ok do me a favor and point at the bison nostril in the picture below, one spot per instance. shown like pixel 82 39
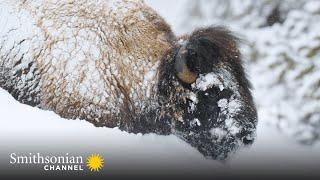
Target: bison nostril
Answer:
pixel 247 138
pixel 247 141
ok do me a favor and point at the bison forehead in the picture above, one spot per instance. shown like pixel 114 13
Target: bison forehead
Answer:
pixel 97 54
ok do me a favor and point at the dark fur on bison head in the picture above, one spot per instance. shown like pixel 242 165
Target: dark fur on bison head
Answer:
pixel 204 89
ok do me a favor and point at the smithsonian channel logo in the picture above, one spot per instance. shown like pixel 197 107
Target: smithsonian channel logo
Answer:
pixel 66 162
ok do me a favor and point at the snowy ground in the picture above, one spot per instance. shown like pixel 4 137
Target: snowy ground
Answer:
pixel 26 129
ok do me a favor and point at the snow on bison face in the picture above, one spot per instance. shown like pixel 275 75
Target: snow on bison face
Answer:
pixel 207 89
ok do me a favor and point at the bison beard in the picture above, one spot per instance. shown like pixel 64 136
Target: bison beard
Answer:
pixel 199 92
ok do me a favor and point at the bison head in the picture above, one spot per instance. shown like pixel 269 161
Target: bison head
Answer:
pixel 204 91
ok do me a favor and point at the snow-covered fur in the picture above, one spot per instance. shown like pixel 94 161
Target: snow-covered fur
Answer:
pixel 116 63
pixel 94 60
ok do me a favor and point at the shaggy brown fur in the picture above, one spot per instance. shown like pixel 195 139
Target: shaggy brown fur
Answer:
pixel 92 58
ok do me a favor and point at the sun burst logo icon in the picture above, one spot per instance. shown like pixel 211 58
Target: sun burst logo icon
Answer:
pixel 95 162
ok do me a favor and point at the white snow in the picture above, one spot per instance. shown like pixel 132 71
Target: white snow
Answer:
pixel 207 81
pixel 222 103
pixel 220 78
pixel 195 122
pixel 27 129
pixel 218 132
pixel 230 108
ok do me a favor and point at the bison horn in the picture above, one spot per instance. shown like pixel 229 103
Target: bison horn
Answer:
pixel 183 72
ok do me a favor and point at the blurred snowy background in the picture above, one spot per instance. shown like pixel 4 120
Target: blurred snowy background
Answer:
pixel 281 50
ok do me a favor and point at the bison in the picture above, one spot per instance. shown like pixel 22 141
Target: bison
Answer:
pixel 116 63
